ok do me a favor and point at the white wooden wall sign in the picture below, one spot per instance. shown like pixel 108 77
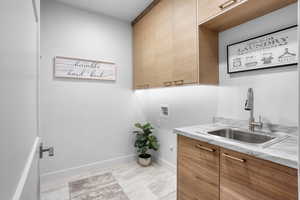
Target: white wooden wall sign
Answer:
pixel 276 49
pixel 65 67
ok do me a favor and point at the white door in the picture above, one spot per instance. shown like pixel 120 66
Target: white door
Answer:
pixel 19 141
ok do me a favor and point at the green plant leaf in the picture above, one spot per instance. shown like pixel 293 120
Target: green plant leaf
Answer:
pixel 145 141
pixel 138 125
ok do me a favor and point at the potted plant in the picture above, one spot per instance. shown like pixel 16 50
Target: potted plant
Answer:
pixel 144 142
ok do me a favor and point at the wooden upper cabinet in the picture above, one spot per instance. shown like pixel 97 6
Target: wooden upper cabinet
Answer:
pixel 185 42
pixel 168 53
pixel 208 8
pixel 153 46
pixel 211 8
pixel 149 55
pixel 208 56
pixel 219 15
pixel 143 51
pixel 244 177
pixel 147 48
pixel 138 47
pixel 198 170
pixel 171 49
pixel 163 45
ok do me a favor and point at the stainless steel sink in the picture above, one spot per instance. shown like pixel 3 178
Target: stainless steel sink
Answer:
pixel 242 136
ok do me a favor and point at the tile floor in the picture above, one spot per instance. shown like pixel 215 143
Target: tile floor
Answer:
pixel 156 182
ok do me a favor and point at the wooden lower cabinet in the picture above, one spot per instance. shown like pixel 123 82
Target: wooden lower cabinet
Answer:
pixel 198 170
pixel 208 172
pixel 243 177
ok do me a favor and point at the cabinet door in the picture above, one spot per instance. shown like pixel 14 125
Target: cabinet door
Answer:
pixel 153 47
pixel 166 45
pixel 209 8
pixel 138 47
pixel 144 46
pixel 148 57
pixel 198 170
pixel 247 178
pixel 185 38
pixel 162 68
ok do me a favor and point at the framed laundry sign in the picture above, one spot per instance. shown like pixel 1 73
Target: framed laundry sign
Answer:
pixel 77 68
pixel 276 49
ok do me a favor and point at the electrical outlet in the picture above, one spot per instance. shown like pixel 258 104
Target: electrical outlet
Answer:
pixel 164 111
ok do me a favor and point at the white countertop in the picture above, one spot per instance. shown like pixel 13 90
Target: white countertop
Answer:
pixel 283 152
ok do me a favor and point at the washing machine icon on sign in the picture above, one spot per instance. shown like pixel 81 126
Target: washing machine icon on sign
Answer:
pixel 267 58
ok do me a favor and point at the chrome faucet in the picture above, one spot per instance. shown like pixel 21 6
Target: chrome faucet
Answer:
pixel 249 106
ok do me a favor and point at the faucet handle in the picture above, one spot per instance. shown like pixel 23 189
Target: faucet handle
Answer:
pixel 260 123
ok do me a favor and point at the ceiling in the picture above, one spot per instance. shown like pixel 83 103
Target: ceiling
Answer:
pixel 121 9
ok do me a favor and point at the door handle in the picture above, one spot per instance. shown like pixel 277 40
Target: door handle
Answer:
pixel 198 146
pixel 146 86
pixel 227 4
pixel 50 151
pixel 168 84
pixel 234 158
pixel 179 82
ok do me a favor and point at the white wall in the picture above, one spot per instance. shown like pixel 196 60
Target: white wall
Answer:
pixel 86 121
pixel 18 88
pixel 275 90
pixel 188 105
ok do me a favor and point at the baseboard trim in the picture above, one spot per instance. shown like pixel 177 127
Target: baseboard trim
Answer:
pixel 61 174
pixel 167 164
pixel 26 170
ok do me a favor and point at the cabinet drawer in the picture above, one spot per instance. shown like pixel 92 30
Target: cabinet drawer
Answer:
pixel 198 170
pixel 209 8
pixel 197 150
pixel 243 177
